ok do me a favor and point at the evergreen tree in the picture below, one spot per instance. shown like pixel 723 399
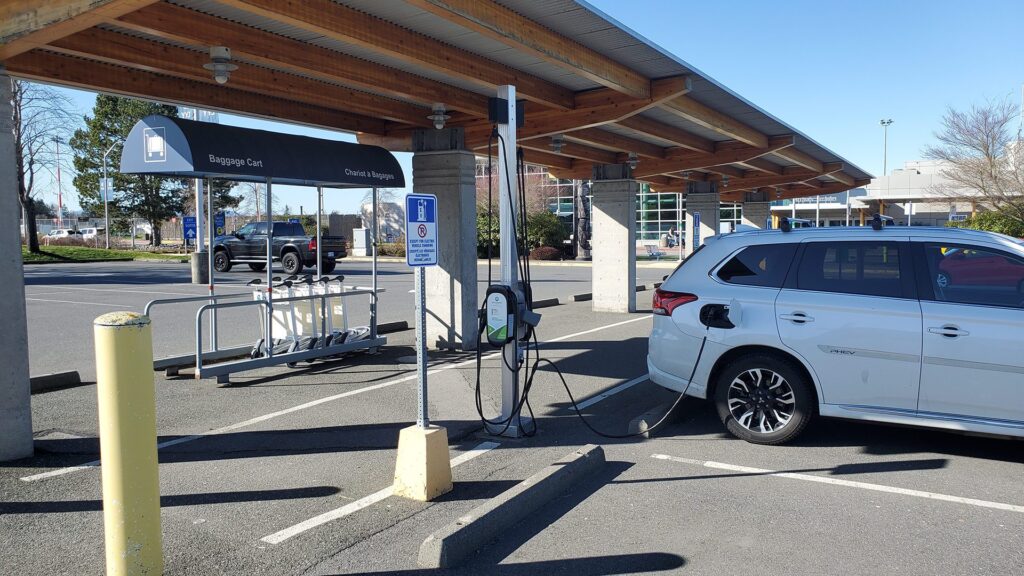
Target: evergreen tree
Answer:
pixel 153 198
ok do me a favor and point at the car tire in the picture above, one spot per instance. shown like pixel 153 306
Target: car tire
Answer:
pixel 221 262
pixel 291 262
pixel 328 266
pixel 257 267
pixel 764 399
pixel 942 280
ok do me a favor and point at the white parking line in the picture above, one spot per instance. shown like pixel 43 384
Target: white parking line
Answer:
pixel 27 299
pixel 846 483
pixel 611 392
pixel 265 417
pixel 282 535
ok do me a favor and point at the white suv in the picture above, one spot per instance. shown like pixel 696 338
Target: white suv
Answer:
pixel 907 325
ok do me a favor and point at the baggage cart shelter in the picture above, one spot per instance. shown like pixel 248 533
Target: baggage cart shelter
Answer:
pixel 175 147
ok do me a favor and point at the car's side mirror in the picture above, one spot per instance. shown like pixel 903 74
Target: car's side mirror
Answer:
pixel 238 235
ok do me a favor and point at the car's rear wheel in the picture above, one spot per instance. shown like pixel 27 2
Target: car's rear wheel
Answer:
pixel 221 262
pixel 764 399
pixel 327 266
pixel 291 263
pixel 257 267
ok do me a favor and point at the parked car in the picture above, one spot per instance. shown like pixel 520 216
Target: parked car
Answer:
pixel 89 233
pixel 292 247
pixel 914 326
pixel 62 233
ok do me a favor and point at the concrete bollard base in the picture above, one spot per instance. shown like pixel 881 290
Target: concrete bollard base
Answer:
pixel 423 470
pixel 200 267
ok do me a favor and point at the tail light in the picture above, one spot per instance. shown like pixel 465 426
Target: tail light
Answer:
pixel 312 244
pixel 665 302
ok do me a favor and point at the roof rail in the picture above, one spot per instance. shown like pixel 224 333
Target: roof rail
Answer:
pixel 786 224
pixel 879 221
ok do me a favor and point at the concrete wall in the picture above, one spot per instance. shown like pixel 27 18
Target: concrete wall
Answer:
pixel 15 392
pixel 452 284
pixel 613 221
pixel 756 213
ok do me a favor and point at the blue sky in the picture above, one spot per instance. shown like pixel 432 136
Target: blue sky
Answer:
pixel 831 69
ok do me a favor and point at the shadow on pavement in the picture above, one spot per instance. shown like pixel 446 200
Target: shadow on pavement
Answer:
pixel 591 566
pixel 59 506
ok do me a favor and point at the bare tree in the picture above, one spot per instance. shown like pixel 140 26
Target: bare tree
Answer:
pixel 254 199
pixel 984 155
pixel 41 115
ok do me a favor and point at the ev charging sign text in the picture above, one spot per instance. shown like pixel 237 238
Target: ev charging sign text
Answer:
pixel 421 230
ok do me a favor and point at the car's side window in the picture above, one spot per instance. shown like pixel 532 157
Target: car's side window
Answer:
pixel 247 229
pixel 765 265
pixel 865 268
pixel 968 274
pixel 261 228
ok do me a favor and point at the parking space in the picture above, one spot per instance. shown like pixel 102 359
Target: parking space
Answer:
pixel 287 473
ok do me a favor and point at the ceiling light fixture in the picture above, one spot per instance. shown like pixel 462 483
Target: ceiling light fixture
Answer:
pixel 686 175
pixel 438 116
pixel 725 181
pixel 557 141
pixel 220 64
pixel 633 161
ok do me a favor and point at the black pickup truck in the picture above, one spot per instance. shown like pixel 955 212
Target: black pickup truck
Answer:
pixel 293 248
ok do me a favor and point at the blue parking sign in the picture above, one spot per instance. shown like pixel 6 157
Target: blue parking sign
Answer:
pixel 421 230
pixel 189 225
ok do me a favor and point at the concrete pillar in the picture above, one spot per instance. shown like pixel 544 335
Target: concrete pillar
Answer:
pixel 15 392
pixel 441 168
pixel 756 209
pixel 613 246
pixel 702 198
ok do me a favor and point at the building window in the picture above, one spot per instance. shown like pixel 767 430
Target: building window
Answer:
pixel 657 213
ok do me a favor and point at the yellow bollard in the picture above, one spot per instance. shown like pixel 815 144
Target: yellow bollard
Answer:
pixel 127 410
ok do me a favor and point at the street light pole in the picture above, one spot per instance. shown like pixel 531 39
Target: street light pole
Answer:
pixel 60 197
pixel 885 145
pixel 105 190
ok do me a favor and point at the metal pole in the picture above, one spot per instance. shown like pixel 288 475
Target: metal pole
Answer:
pixel 847 207
pixel 270 271
pixel 319 239
pixel 422 418
pixel 508 206
pixel 375 231
pixel 817 211
pixel 200 240
pixel 60 194
pixel 106 197
pixel 209 262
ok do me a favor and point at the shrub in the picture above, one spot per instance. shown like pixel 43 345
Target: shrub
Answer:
pixel 995 221
pixel 392 248
pixel 482 238
pixel 545 253
pixel 545 229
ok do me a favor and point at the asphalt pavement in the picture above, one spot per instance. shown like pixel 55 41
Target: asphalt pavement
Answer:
pixel 62 300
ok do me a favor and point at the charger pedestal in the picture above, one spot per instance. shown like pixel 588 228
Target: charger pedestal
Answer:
pixel 423 471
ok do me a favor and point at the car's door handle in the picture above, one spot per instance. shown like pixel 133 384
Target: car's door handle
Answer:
pixel 949 331
pixel 796 317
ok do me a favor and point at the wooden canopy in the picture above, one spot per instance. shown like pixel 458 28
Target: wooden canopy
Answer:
pixel 377 67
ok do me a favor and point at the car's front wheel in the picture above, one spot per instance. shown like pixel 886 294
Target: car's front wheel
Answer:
pixel 221 262
pixel 764 399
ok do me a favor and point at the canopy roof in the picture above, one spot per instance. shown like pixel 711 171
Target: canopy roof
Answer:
pixel 177 147
pixel 598 93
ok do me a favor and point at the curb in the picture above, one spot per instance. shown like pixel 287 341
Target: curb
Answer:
pixel 55 381
pixel 643 423
pixel 546 303
pixel 452 544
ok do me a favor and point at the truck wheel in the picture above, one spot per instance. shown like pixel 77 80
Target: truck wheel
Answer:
pixel 291 262
pixel 221 262
pixel 257 267
pixel 328 266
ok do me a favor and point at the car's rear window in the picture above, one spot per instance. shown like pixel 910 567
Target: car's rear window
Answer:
pixel 288 229
pixel 764 265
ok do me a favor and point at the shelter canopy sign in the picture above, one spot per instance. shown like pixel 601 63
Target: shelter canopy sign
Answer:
pixel 177 147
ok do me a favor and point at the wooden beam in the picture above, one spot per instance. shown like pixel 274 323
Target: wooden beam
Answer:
pixel 790 176
pixel 726 153
pixel 29 24
pixel 711 119
pixel 339 22
pixel 670 133
pixel 133 52
pixel 108 78
pixel 727 170
pixel 834 170
pixel 514 30
pixel 762 165
pixel 573 150
pixel 181 25
pixel 613 141
pixel 543 158
pixel 661 90
pixel 549 123
pixel 800 159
